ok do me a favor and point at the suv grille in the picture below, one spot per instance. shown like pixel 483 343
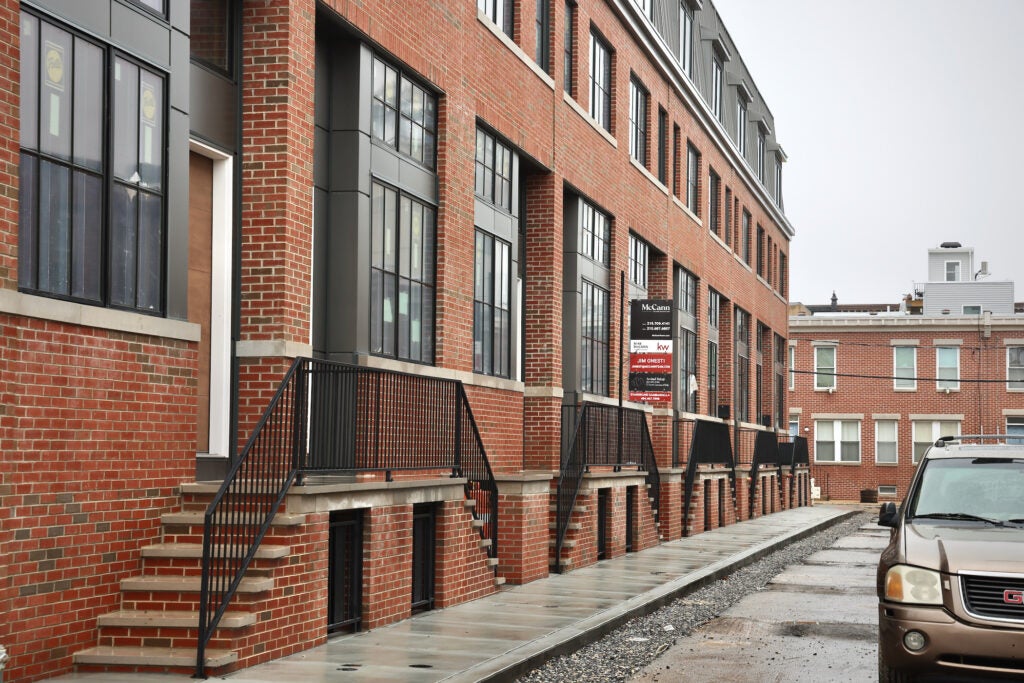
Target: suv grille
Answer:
pixel 994 597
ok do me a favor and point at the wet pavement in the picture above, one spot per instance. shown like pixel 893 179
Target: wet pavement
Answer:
pixel 817 622
pixel 499 637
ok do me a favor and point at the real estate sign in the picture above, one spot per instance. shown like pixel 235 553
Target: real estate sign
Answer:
pixel 650 351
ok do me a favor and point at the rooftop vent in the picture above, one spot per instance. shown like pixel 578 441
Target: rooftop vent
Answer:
pixel 950 245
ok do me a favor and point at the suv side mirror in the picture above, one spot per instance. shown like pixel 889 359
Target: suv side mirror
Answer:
pixel 887 515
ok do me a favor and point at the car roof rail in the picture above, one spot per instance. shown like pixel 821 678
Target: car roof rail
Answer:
pixel 943 441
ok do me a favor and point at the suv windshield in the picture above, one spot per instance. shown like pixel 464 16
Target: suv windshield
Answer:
pixel 973 489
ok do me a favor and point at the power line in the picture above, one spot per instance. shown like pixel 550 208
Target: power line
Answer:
pixel 960 380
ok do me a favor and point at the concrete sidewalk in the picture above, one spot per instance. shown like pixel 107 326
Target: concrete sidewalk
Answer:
pixel 500 637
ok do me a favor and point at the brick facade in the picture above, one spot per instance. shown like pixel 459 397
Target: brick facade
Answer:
pixel 864 391
pixel 100 406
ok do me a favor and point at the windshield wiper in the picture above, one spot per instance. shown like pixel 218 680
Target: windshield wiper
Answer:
pixel 962 516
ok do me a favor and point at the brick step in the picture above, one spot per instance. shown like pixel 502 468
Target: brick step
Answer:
pixel 189 584
pixel 197 518
pixel 195 550
pixel 150 658
pixel 149 619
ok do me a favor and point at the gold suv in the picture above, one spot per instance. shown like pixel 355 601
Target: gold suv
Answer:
pixel 951 581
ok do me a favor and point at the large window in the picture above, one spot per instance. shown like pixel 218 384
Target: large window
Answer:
pixel 760 155
pixel 594 366
pixel 1015 425
pixel 569 45
pixel 741 125
pixel 492 306
pixel 728 217
pixel 686 302
pixel 947 368
pixel 692 179
pixel 714 304
pixel 493 170
pixel 885 442
pixel 498 11
pixel 778 182
pixel 714 202
pixel 837 441
pixel 741 338
pixel 745 237
pixel 595 232
pixel 952 271
pixel 761 264
pixel 717 77
pixel 904 360
pixel 824 367
pixel 637 261
pixel 686 37
pixel 401 276
pixel 927 432
pixel 542 55
pixel 638 106
pixel 403 115
pixel 600 82
pixel 72 243
pixel 663 146
pixel 1015 368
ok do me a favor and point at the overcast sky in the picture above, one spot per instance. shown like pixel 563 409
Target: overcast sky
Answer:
pixel 902 123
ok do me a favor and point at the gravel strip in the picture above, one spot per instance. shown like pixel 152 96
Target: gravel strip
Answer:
pixel 628 649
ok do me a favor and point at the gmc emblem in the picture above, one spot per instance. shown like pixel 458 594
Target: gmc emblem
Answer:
pixel 1013 597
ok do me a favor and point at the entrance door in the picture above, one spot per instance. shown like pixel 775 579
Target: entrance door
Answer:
pixel 200 274
pixel 424 519
pixel 344 578
pixel 209 293
pixel 603 506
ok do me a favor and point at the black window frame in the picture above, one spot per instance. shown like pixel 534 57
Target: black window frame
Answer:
pixel 384 103
pixel 692 179
pixel 594 339
pixel 493 170
pixel 639 106
pixel 91 230
pixel 600 80
pixel 492 305
pixel 388 343
pixel 542 51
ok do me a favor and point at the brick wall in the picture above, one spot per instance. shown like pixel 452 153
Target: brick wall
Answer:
pixel 98 433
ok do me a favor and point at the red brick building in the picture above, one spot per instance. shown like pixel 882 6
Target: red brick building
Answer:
pixel 872 386
pixel 369 264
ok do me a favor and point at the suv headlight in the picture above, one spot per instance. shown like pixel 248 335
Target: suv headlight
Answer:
pixel 913 585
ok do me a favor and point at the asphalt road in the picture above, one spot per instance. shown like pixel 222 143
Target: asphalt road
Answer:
pixel 814 622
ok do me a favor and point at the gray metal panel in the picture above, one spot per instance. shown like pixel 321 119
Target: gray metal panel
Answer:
pixel 92 16
pixel 141 33
pixel 180 95
pixel 348 274
pixel 177 215
pixel 180 15
pixel 212 99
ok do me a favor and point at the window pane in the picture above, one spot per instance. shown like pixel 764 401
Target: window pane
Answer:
pixel 28 244
pixel 29 81
pixel 55 228
pixel 87 240
pixel 123 248
pixel 55 98
pixel 209 36
pixel 150 249
pixel 126 121
pixel 151 137
pixel 88 131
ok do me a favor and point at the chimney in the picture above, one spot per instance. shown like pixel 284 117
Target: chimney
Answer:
pixel 835 301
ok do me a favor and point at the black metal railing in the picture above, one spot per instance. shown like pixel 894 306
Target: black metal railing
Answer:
pixel 601 435
pixel 702 442
pixel 326 418
pixel 764 454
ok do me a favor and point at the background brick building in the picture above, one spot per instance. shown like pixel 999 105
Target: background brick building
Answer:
pixel 446 200
pixel 872 386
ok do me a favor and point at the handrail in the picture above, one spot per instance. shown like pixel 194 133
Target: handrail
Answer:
pixel 331 417
pixel 604 436
pixel 240 513
pixel 707 443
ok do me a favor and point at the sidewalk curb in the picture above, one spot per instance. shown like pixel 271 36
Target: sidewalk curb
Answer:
pixel 571 639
